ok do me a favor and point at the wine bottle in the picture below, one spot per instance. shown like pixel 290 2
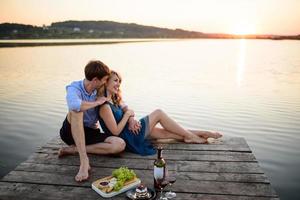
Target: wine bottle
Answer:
pixel 159 170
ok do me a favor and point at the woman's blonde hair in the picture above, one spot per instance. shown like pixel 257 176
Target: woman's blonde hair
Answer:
pixel 116 98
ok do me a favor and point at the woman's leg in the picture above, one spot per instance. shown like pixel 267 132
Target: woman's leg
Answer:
pixel 158 116
pixel 160 133
pixel 207 134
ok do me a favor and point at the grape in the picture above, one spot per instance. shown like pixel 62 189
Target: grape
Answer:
pixel 118 185
pixel 122 175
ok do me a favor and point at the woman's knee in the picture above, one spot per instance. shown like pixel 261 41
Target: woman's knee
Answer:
pixel 156 113
pixel 159 111
pixel 155 118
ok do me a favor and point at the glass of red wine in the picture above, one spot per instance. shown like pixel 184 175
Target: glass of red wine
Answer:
pixel 171 180
pixel 162 183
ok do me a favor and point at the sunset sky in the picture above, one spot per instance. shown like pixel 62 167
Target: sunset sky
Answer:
pixel 210 16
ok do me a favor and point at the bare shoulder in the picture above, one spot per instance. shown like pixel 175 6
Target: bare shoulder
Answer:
pixel 105 108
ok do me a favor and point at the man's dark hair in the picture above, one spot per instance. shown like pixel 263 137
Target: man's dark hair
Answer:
pixel 96 68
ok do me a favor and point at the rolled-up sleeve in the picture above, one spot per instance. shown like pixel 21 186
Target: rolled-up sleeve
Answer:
pixel 74 98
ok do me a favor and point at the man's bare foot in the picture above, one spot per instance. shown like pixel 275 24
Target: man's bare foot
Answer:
pixel 64 151
pixel 83 173
pixel 194 139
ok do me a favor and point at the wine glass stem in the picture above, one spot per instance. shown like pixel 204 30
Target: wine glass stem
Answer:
pixel 170 187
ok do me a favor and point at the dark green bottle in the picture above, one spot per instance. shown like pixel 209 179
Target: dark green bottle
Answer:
pixel 159 172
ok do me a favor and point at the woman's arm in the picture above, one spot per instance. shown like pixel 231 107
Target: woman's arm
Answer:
pixel 110 121
pixel 124 106
pixel 134 125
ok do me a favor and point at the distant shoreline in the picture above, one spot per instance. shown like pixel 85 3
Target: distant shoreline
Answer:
pixel 24 43
pixel 116 32
pixel 56 42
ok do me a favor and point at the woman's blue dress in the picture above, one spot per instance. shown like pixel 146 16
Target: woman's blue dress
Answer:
pixel 136 143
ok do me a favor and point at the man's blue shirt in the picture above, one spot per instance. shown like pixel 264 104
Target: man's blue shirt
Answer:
pixel 76 93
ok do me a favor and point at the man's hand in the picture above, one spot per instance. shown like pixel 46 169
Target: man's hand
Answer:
pixel 101 100
pixel 96 125
pixel 134 125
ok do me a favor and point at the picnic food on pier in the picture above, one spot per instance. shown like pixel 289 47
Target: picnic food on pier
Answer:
pixel 120 177
pixel 141 192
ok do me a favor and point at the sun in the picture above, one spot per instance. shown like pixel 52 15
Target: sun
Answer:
pixel 243 29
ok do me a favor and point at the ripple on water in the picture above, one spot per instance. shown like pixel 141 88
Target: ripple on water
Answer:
pixel 202 95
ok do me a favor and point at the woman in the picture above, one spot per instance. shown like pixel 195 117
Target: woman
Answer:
pixel 114 120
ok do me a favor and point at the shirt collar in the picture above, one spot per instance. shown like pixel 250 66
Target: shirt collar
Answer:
pixel 84 90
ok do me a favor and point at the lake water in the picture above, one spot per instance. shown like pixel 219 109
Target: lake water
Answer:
pixel 248 88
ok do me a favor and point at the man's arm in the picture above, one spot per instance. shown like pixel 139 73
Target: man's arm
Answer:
pixel 85 105
pixel 75 103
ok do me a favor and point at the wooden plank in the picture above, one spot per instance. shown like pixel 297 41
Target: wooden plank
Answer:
pixel 9 191
pixel 224 170
pixel 54 150
pixel 101 172
pixel 210 147
pixel 227 144
pixel 190 186
pixel 181 155
pixel 227 140
pixel 192 166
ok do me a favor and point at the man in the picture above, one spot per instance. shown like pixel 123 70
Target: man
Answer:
pixel 80 128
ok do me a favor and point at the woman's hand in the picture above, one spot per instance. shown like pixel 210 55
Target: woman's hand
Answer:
pixel 134 125
pixel 129 113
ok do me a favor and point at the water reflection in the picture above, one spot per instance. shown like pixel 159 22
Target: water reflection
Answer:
pixel 195 81
pixel 241 62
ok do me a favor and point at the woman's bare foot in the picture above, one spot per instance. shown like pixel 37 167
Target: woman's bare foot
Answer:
pixel 64 151
pixel 215 134
pixel 194 139
pixel 208 134
pixel 83 173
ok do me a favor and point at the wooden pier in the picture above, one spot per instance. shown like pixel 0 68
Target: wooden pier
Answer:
pixel 218 171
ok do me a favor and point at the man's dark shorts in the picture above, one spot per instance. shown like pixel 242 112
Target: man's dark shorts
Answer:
pixel 92 136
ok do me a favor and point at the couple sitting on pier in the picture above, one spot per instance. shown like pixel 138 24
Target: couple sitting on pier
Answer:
pixel 98 98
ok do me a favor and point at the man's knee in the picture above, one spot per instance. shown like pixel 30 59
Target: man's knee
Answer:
pixel 117 144
pixel 120 144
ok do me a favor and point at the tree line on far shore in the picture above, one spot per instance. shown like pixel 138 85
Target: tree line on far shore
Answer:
pixel 109 29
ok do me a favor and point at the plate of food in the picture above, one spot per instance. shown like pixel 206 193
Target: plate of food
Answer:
pixel 121 180
pixel 141 193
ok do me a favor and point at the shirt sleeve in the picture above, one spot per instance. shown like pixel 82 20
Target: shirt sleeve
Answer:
pixel 74 98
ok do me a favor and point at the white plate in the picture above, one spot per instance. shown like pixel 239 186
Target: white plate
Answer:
pixel 131 194
pixel 111 194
